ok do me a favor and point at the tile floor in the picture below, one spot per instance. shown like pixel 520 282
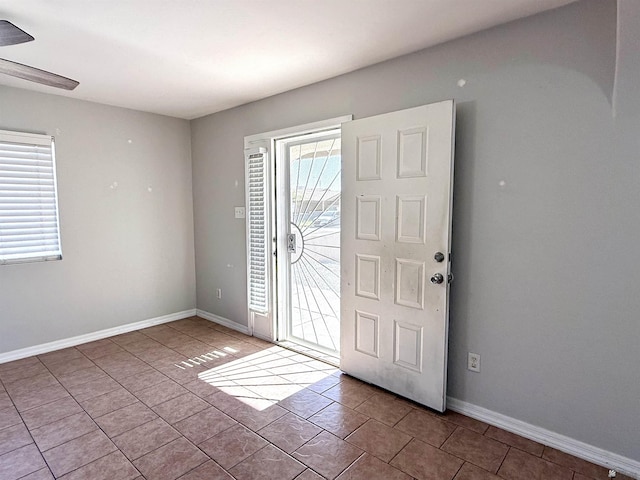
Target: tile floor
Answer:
pixel 194 400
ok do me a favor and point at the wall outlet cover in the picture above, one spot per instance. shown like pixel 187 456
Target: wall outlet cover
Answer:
pixel 239 212
pixel 473 362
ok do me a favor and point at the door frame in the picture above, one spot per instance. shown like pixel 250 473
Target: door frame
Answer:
pixel 265 325
pixel 283 272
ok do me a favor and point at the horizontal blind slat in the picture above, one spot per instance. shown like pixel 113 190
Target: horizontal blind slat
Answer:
pixel 28 199
pixel 256 218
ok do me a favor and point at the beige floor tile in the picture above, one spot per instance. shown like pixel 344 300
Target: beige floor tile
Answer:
pixel 368 467
pixel 93 388
pixel 108 402
pixel 160 393
pixel 181 407
pixel 223 401
pixel 170 461
pixel 113 466
pixel 477 449
pixel 254 418
pixel 9 417
pixel 125 419
pixel 99 348
pixel 9 376
pixel 204 425
pixel 145 438
pixel 64 355
pixel 471 472
pixel 522 466
pixel 179 374
pixel 144 380
pixel 201 388
pixel 66 367
pixel 207 471
pixel 14 437
pixel 619 476
pixel 22 363
pixel 338 419
pixel 134 366
pixel 51 412
pixel 42 474
pixel 385 408
pixel 5 401
pixel 128 338
pixel 349 393
pixel 21 462
pixel 425 462
pixel 78 452
pixel 516 441
pixel 230 447
pixel 309 474
pixel 426 427
pixel 26 386
pixel 327 454
pixel 576 464
pixel 324 384
pixel 305 403
pixel 378 439
pixel 464 421
pixel 39 397
pixel 289 432
pixel 79 377
pixel 268 463
pixel 61 431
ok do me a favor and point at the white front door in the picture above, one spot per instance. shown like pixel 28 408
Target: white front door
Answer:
pixel 395 242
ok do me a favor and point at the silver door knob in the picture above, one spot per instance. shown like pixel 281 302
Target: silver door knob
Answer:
pixel 437 279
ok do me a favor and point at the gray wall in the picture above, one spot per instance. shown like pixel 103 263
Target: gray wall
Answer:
pixel 128 253
pixel 547 267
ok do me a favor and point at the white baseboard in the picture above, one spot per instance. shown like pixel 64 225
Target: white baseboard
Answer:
pixel 223 321
pixel 624 465
pixel 90 337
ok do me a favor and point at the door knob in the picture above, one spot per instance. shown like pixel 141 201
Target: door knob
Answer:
pixel 437 279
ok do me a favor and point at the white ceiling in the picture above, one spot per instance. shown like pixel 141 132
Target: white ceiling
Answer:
pixel 188 58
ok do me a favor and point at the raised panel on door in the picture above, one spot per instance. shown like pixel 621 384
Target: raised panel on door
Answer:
pixel 396 211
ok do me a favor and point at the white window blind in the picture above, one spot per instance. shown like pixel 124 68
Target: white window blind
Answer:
pixel 29 227
pixel 257 229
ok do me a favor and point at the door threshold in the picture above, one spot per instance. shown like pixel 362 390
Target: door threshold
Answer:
pixel 310 352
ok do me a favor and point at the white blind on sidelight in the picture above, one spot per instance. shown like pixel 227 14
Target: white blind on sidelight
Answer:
pixel 257 229
pixel 29 228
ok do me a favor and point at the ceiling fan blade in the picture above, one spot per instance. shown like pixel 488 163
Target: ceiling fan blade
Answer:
pixel 36 75
pixel 12 35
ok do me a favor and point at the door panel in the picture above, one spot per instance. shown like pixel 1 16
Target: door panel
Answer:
pixel 396 211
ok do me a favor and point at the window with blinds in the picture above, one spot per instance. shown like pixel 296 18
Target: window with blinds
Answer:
pixel 257 229
pixel 29 227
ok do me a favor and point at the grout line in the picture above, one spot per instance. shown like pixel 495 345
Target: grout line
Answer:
pixel 458 471
pixel 509 447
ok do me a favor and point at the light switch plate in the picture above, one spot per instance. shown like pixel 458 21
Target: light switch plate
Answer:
pixel 239 212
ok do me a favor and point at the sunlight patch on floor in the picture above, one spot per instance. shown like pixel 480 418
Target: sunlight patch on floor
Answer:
pixel 264 378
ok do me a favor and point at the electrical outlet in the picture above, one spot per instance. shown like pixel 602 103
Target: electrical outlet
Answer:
pixel 473 362
pixel 219 293
pixel 239 212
